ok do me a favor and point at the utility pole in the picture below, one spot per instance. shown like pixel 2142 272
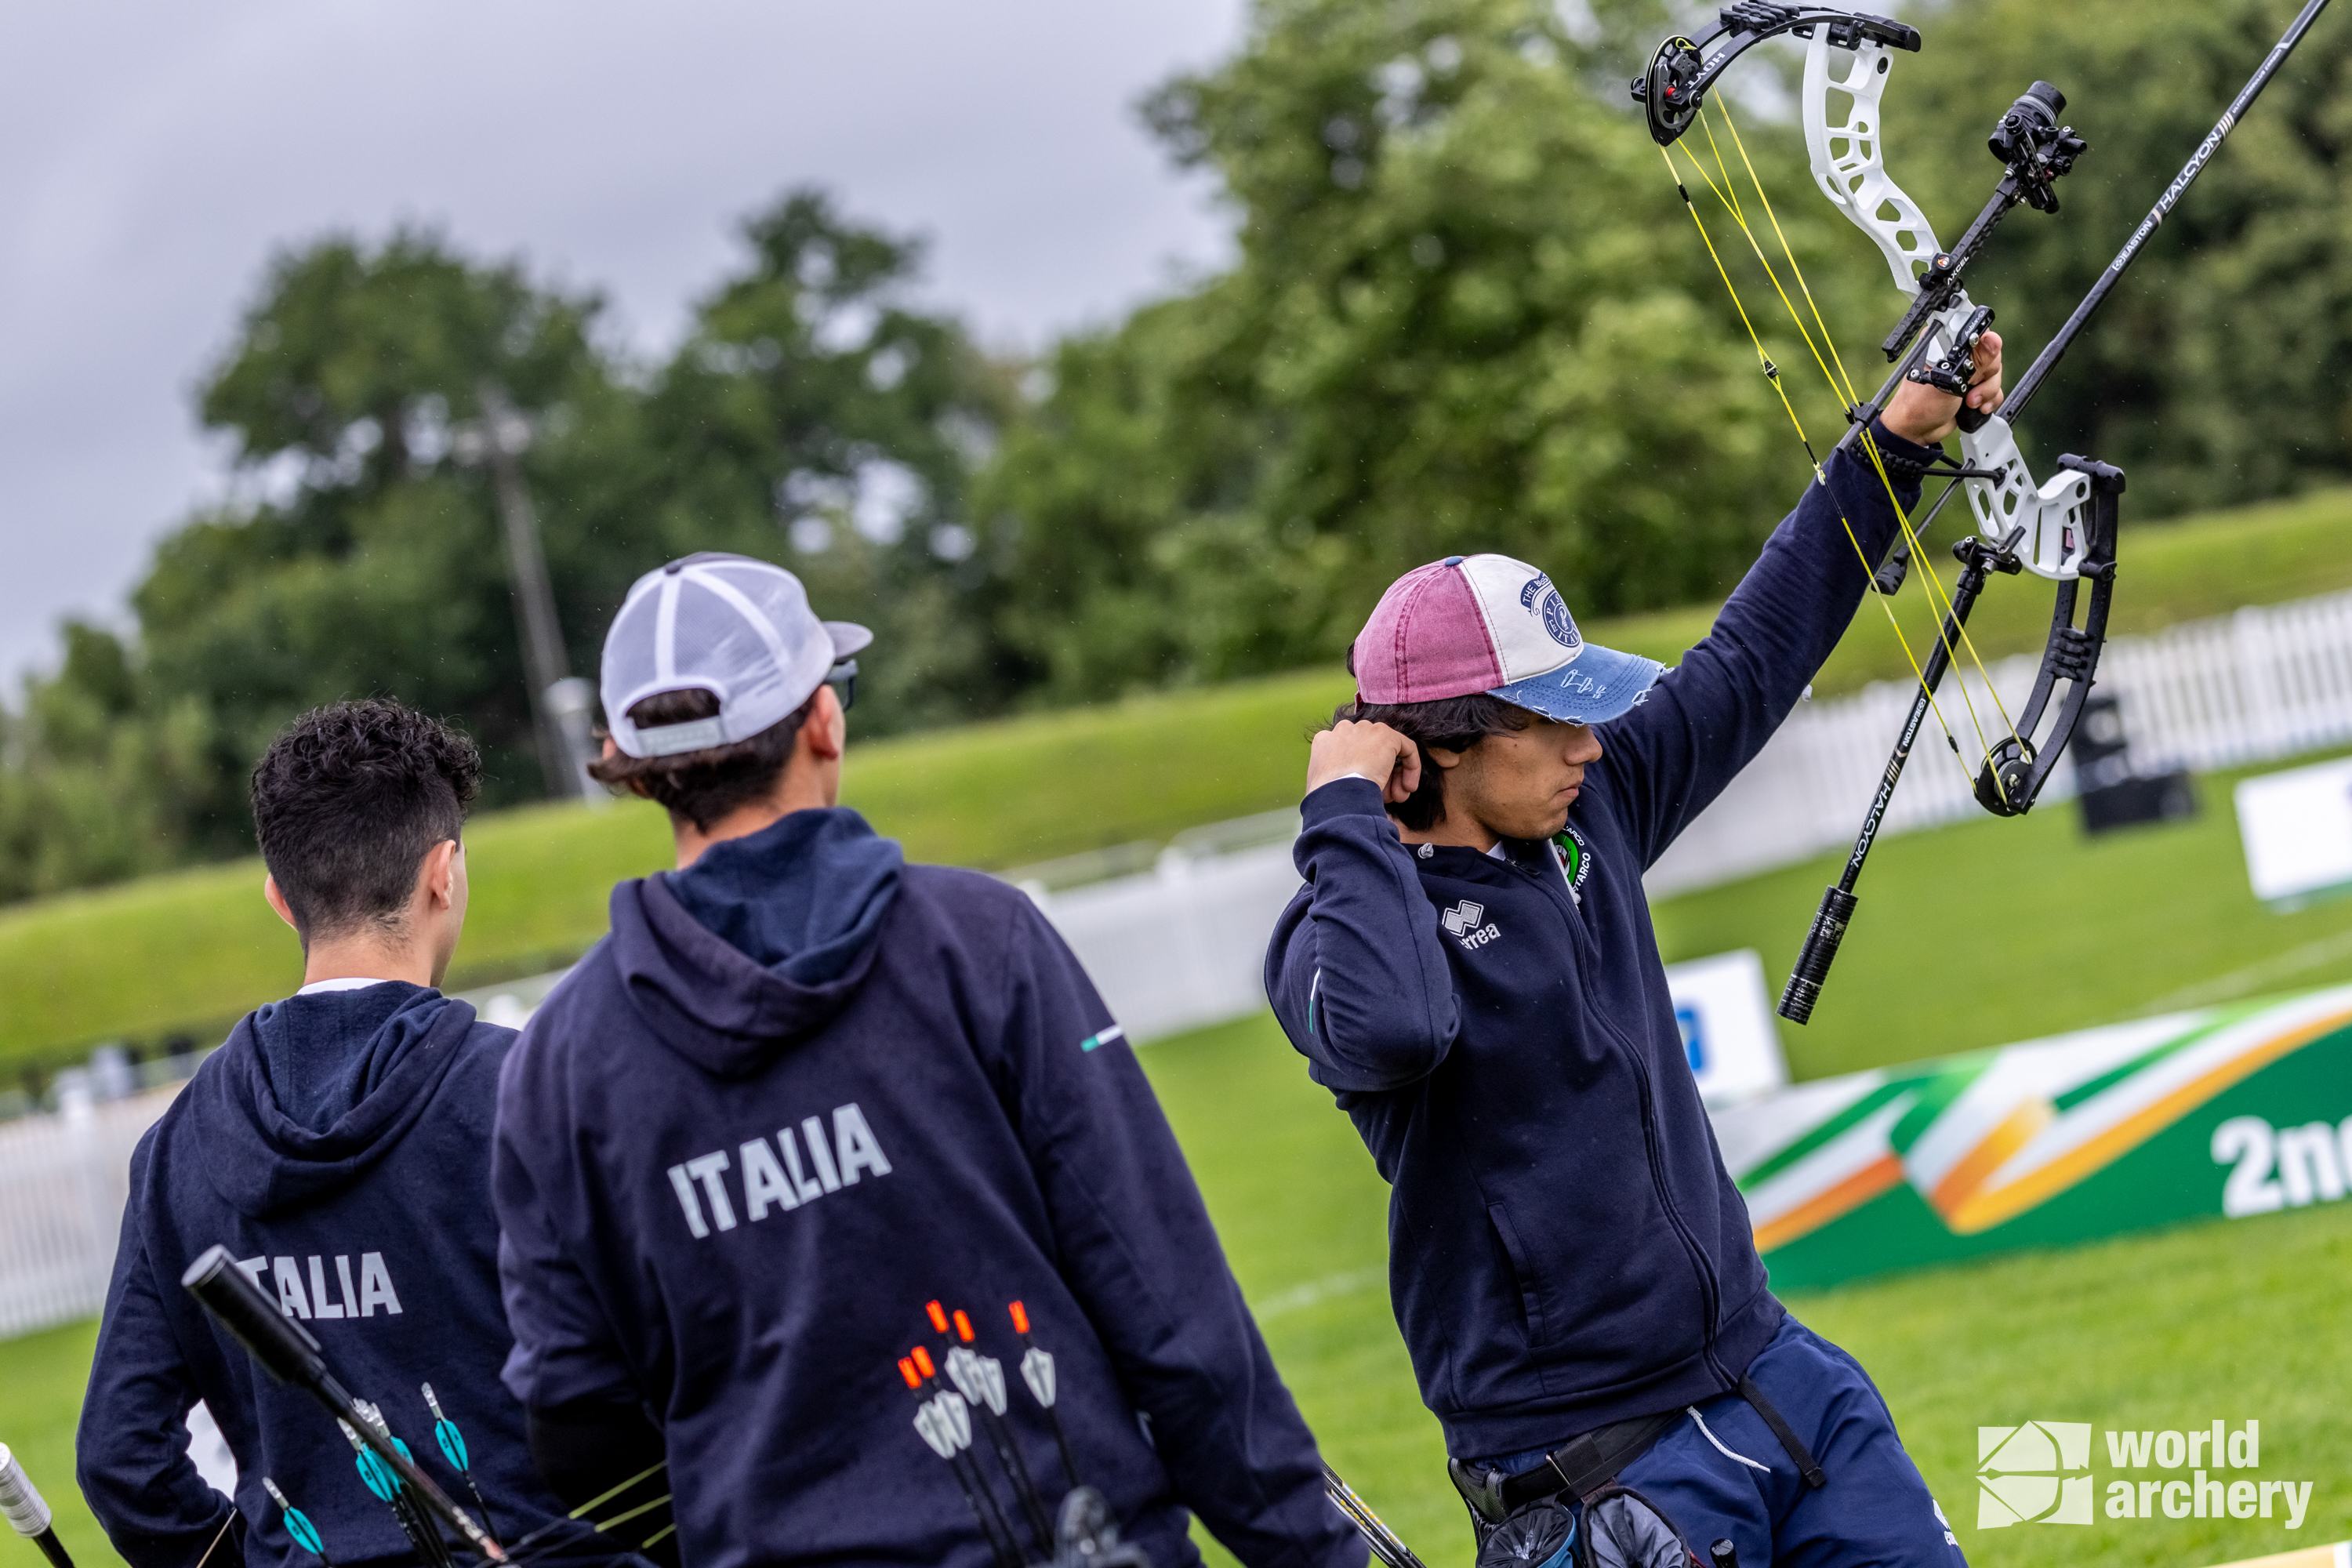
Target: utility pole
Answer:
pixel 558 701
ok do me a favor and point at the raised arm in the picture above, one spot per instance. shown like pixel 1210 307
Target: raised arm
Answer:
pixel 1708 717
pixel 1355 971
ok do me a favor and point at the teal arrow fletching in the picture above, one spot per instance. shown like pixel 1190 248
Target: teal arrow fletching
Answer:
pixel 305 1534
pixel 378 1474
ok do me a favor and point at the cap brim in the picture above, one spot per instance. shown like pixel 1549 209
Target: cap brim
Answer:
pixel 847 637
pixel 1596 686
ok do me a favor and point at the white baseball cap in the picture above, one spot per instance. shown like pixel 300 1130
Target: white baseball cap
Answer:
pixel 738 628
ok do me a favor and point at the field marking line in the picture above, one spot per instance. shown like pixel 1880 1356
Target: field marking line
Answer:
pixel 2238 983
pixel 1315 1292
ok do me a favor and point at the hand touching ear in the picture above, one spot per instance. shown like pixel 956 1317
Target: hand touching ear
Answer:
pixel 1368 751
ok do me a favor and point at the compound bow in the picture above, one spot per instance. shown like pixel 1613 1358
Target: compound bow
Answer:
pixel 2061 529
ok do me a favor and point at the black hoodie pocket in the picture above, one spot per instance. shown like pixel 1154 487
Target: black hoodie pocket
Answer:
pixel 1531 1312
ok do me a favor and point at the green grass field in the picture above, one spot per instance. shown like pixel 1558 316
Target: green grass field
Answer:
pixel 2239 1321
pixel 194 950
pixel 1993 931
pixel 1970 936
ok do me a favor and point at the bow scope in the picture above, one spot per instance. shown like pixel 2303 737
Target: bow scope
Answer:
pixel 2034 147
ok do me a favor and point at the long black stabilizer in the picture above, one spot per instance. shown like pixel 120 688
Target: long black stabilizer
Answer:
pixel 1819 951
pixel 2052 352
pixel 2023 394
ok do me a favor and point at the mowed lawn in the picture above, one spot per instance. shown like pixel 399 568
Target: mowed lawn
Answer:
pixel 193 950
pixel 2236 1321
pixel 2231 1320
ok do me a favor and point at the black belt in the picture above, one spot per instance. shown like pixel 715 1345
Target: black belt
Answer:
pixel 1586 1464
pixel 1582 1466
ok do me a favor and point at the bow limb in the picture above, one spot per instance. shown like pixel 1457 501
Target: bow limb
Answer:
pixel 1849 156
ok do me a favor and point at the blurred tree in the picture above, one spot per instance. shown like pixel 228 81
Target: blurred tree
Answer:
pixel 96 780
pixel 2218 372
pixel 813 417
pixel 1469 314
pixel 816 416
pixel 369 559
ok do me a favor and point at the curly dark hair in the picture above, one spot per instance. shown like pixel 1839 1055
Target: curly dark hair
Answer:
pixel 1456 723
pixel 346 802
pixel 701 786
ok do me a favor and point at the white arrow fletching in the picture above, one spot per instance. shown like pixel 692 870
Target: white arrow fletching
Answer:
pixel 988 1373
pixel 928 1422
pixel 1037 1371
pixel 957 1416
pixel 961 1371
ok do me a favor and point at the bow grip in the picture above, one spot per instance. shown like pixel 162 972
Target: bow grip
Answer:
pixel 1954 372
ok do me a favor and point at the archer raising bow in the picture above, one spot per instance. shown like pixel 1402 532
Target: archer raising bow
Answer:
pixel 1471 971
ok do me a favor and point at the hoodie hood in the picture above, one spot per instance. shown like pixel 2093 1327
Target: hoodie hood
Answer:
pixel 760 942
pixel 310 1092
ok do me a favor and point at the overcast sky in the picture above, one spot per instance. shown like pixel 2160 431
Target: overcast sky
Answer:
pixel 153 156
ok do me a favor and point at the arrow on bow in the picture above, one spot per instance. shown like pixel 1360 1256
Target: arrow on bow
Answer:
pixel 2063 529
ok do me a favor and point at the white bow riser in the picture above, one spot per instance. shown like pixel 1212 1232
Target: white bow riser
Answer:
pixel 1850 166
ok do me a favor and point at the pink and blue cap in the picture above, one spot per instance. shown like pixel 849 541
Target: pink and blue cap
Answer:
pixel 1472 624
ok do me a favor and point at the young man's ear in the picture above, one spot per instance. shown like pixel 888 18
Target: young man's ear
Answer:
pixel 825 732
pixel 277 902
pixel 1444 756
pixel 438 874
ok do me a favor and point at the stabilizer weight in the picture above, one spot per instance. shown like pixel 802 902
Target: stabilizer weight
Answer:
pixel 1813 959
pixel 285 1348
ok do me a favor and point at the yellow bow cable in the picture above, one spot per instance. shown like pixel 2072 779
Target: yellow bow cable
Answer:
pixel 1726 192
pixel 1842 386
pixel 1772 375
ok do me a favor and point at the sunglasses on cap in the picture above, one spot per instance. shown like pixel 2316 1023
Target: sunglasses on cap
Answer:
pixel 843 678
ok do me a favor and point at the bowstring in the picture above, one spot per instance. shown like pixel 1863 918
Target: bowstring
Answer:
pixel 1844 384
pixel 1726 192
pixel 1772 375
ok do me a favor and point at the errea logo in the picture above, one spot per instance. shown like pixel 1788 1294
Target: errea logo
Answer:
pixel 1462 922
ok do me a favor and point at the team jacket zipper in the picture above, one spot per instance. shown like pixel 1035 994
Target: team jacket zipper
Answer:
pixel 1709 1288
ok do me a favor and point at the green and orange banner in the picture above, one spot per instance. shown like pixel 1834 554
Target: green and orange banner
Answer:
pixel 2230 1111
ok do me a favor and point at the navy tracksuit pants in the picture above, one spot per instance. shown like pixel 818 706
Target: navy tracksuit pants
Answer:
pixel 1731 1479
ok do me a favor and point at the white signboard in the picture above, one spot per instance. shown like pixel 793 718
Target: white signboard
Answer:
pixel 1725 1013
pixel 2297 828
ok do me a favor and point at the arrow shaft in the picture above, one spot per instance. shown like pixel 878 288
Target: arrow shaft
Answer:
pixel 2055 350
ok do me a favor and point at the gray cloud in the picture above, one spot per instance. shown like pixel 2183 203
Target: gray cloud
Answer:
pixel 151 157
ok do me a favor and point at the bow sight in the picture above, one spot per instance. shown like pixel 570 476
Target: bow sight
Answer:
pixel 2063 529
pixel 2035 152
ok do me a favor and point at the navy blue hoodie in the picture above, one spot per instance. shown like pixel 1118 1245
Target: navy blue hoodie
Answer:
pixel 338 1145
pixel 804 1089
pixel 1565 1249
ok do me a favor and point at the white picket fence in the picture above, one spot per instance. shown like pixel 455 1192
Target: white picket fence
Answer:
pixel 1179 945
pixel 63 1178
